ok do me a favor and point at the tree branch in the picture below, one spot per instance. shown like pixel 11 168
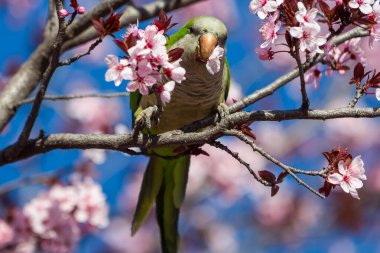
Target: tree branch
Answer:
pixel 76 96
pixel 81 31
pixel 174 138
pixel 265 154
pixel 24 136
pixel 235 155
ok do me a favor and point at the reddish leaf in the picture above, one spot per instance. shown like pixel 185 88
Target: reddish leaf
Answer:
pixel 275 188
pixel 282 176
pixel 267 176
pixel 74 4
pixel 163 22
pixel 175 54
pixel 108 26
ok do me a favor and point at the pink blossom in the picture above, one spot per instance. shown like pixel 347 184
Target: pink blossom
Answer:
pixel 134 30
pixel 306 17
pixel 352 51
pixel 63 13
pixel 314 75
pixel 378 94
pixel 349 177
pixel 376 10
pixel 374 35
pixel 91 205
pixel 175 72
pixel 165 91
pixel 116 70
pixel 363 5
pixel 269 30
pixel 263 7
pixel 213 62
pixel 265 54
pixel 6 233
pixel 81 10
pixel 309 38
pixel 62 232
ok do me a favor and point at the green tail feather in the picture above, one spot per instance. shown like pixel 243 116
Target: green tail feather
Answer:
pixel 164 182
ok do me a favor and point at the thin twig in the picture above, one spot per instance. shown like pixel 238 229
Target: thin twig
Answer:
pixel 24 136
pixel 75 96
pixel 355 100
pixel 265 154
pixel 80 55
pixel 235 155
pixel 305 99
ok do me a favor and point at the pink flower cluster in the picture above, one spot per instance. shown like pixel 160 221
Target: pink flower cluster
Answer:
pixel 55 220
pixel 349 177
pixel 308 30
pixel 148 65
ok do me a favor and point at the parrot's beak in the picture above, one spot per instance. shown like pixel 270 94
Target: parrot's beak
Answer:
pixel 207 44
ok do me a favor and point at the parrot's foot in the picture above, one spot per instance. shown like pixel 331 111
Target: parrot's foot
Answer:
pixel 147 119
pixel 223 111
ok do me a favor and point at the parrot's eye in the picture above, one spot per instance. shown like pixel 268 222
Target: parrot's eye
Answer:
pixel 191 29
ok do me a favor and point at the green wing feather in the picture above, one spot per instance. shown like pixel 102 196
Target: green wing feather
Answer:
pixel 227 79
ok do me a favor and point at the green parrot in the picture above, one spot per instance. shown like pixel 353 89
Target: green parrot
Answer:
pixel 195 98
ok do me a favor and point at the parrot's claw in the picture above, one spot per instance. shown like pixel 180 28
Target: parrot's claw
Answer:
pixel 147 119
pixel 223 111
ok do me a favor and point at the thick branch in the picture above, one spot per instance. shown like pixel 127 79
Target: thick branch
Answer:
pixel 124 142
pixel 24 136
pixel 77 35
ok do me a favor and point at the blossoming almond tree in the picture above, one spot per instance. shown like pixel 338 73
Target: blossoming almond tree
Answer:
pixel 320 37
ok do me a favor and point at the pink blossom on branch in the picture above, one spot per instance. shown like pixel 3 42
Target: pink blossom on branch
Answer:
pixel 306 17
pixel 363 5
pixel 269 30
pixel 314 75
pixel 349 177
pixel 264 7
pixel 309 37
pixel 213 63
pixel 147 61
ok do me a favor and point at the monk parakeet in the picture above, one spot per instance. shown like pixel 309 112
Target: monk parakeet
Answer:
pixel 198 96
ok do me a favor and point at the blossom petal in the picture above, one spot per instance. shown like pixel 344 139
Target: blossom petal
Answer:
pixel 296 32
pixel 378 94
pixel 335 178
pixel 345 186
pixel 355 182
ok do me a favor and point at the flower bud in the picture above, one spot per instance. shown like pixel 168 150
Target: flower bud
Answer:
pixel 63 13
pixel 81 10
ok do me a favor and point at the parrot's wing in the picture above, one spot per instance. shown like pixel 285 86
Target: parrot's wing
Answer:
pixel 226 79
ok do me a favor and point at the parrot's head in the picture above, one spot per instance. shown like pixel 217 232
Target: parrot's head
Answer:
pixel 201 36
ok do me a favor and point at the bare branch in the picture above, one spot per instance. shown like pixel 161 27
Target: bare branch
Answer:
pixel 265 154
pixel 76 96
pixel 235 155
pixel 80 55
pixel 355 100
pixel 305 100
pixel 174 138
pixel 81 32
pixel 24 136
